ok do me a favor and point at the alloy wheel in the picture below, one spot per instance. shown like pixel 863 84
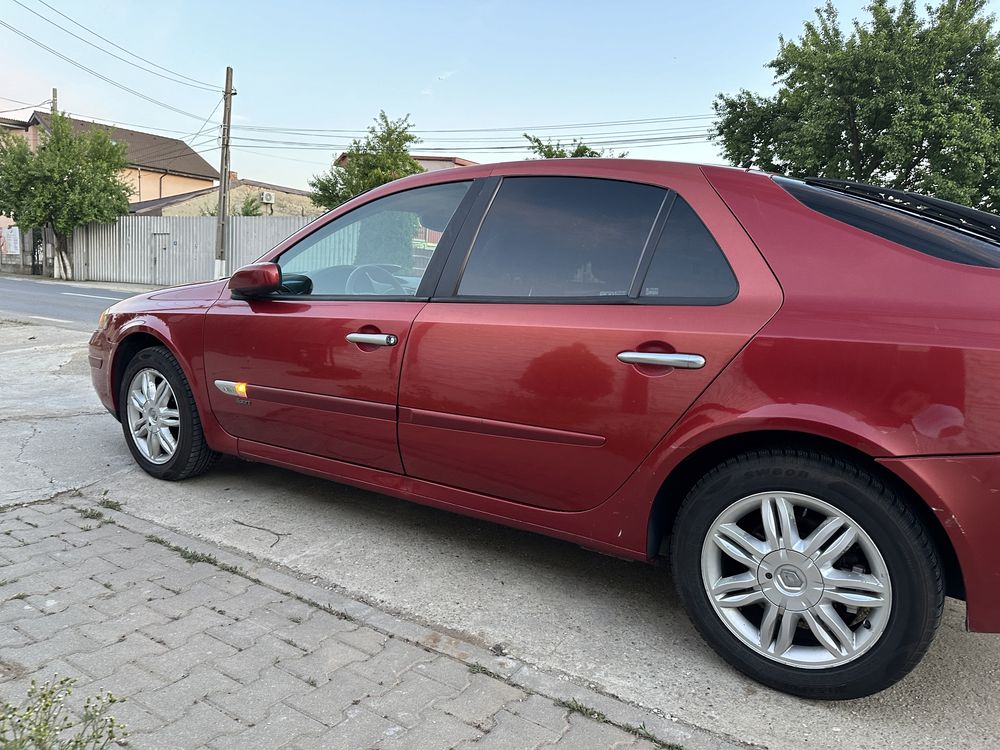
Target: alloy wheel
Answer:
pixel 153 416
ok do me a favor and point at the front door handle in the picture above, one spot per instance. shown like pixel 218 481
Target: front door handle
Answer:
pixel 680 361
pixel 373 339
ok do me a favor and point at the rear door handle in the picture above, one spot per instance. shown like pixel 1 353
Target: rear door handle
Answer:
pixel 374 339
pixel 680 361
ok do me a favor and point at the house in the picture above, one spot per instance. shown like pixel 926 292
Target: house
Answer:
pixel 158 166
pixel 429 163
pixel 274 200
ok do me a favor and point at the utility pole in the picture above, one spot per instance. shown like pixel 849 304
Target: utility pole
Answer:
pixel 55 101
pixel 223 217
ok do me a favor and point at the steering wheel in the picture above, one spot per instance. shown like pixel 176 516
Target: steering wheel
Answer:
pixel 368 275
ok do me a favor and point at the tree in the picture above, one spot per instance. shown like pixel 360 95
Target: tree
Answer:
pixel 71 180
pixel 899 100
pixel 251 206
pixel 382 156
pixel 549 150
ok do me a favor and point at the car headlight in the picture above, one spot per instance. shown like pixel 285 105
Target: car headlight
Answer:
pixel 104 319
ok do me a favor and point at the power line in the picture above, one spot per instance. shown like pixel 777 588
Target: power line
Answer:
pixel 18 109
pixel 204 124
pixel 112 54
pixel 123 87
pixel 127 52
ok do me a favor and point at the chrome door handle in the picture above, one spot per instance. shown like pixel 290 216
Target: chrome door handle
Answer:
pixel 680 361
pixel 375 339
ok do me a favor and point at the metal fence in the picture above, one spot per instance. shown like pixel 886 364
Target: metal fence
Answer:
pixel 165 250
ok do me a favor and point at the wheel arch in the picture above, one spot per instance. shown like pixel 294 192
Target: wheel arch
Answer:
pixel 684 476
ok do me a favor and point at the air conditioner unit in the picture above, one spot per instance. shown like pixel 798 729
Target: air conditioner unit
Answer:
pixel 267 197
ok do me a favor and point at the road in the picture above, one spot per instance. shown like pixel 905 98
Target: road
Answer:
pixel 66 305
pixel 613 625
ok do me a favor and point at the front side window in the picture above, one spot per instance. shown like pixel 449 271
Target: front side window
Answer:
pixel 381 248
pixel 552 237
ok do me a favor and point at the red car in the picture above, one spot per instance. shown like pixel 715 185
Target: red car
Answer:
pixel 789 388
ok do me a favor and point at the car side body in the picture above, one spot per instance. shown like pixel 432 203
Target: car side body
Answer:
pixel 837 339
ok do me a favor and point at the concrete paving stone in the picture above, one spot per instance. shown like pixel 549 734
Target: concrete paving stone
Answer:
pixel 233 585
pixel 141 594
pixel 267 618
pixel 512 731
pixel 282 726
pixel 16 610
pixel 26 566
pixel 11 637
pixel 251 703
pixel 480 700
pixel 29 584
pixel 59 599
pixel 321 664
pixel 95 533
pixel 15 690
pixel 360 729
pixel 128 681
pixel 112 629
pixel 105 660
pixel 388 666
pixel 438 731
pixel 240 634
pixel 409 702
pixel 40 628
pixel 136 718
pixel 541 711
pixel 248 664
pixel 315 628
pixel 362 638
pixel 587 734
pixel 255 597
pixel 198 649
pixel 46 546
pixel 67 643
pixel 330 702
pixel 198 595
pixel 172 701
pixel 99 549
pixel 292 609
pixel 145 571
pixel 174 633
pixel 448 671
pixel 201 724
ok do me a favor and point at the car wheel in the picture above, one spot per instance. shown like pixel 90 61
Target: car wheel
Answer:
pixel 807 573
pixel 159 417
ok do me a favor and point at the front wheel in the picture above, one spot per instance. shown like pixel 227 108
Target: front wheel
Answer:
pixel 159 417
pixel 807 573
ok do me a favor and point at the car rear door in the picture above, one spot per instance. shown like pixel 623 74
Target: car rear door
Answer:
pixel 321 360
pixel 571 328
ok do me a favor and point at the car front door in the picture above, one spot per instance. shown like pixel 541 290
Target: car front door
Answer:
pixel 585 319
pixel 321 359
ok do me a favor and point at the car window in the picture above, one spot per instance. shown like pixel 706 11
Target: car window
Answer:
pixel 546 237
pixel 381 248
pixel 896 225
pixel 688 267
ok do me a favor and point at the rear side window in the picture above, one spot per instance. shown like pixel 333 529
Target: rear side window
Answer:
pixel 895 225
pixel 688 266
pixel 547 237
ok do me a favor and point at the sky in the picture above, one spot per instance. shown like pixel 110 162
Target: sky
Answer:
pixel 471 75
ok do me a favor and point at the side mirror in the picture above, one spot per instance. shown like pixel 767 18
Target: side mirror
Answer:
pixel 256 280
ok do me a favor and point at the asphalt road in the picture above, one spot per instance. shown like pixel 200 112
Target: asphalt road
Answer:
pixel 614 625
pixel 56 303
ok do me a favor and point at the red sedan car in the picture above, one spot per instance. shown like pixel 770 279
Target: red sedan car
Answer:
pixel 788 388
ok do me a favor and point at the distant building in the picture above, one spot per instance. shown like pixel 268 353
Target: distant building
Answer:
pixel 429 163
pixel 274 200
pixel 158 166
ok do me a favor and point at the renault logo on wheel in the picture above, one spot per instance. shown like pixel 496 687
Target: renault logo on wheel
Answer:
pixel 790 578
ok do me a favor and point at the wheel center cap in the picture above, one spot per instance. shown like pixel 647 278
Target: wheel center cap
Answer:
pixel 791 580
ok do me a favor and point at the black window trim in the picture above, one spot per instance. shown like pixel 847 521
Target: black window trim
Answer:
pixel 434 267
pixel 447 286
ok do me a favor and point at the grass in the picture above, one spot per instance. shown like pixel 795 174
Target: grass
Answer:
pixel 195 557
pixel 110 504
pixel 575 707
pixel 91 514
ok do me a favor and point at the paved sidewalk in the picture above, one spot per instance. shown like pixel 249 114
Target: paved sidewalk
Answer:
pixel 212 649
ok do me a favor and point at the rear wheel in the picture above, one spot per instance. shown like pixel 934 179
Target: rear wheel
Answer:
pixel 159 417
pixel 807 573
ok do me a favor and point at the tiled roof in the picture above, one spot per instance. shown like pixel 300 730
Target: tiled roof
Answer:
pixel 145 150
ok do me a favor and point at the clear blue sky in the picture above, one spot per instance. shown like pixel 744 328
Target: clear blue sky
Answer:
pixel 450 65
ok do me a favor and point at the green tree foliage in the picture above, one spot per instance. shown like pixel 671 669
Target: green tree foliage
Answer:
pixel 549 150
pixel 900 99
pixel 380 157
pixel 251 206
pixel 71 180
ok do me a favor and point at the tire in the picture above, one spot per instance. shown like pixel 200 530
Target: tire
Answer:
pixel 853 552
pixel 176 419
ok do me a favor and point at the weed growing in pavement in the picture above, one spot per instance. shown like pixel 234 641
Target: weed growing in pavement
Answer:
pixel 19 595
pixel 195 557
pixel 44 720
pixel 110 504
pixel 91 514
